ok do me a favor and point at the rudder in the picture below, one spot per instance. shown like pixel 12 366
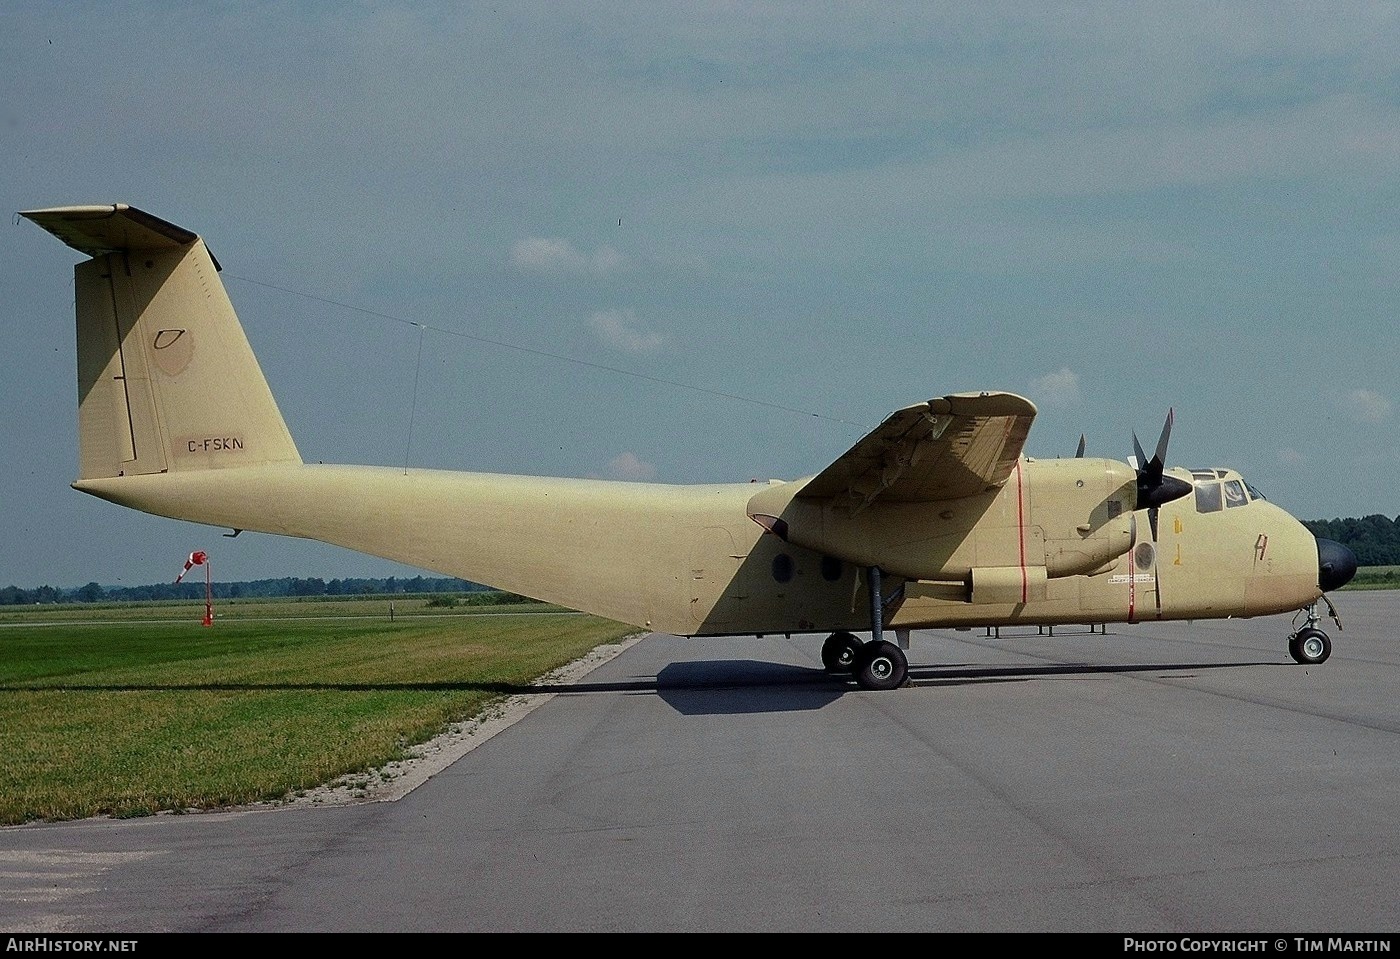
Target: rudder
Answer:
pixel 167 381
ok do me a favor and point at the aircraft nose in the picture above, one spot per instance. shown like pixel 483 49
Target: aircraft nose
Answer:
pixel 1336 565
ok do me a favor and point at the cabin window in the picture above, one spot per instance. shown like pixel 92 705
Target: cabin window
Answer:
pixel 1254 494
pixel 1208 498
pixel 1234 493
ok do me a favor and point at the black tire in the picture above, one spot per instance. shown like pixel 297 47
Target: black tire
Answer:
pixel 1310 647
pixel 839 652
pixel 881 665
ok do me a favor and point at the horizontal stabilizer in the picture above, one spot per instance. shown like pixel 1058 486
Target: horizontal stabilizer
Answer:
pixel 110 228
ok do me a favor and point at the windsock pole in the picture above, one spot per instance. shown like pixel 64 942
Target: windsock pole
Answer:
pixel 201 558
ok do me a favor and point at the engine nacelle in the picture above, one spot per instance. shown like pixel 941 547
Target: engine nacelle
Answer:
pixel 1020 525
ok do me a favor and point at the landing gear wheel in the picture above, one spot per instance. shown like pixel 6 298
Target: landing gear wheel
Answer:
pixel 1310 646
pixel 880 665
pixel 839 652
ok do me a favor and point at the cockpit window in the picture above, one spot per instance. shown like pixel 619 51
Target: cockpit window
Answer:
pixel 1208 497
pixel 1218 489
pixel 1234 493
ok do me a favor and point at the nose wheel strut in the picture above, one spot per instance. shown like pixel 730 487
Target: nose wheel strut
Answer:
pixel 1310 645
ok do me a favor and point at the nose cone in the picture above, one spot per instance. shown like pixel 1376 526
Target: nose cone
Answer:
pixel 1336 565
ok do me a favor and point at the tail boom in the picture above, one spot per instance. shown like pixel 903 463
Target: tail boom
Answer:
pixel 590 545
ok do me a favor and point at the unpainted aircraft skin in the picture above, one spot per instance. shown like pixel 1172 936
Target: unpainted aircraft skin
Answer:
pixel 933 519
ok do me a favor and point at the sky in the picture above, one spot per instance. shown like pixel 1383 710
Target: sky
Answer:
pixel 716 242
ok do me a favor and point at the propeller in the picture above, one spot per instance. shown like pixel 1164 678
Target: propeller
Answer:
pixel 1154 488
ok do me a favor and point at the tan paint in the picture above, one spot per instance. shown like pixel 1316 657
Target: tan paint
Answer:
pixel 176 419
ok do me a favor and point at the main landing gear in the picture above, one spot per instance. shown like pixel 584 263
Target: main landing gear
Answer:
pixel 878 664
pixel 1311 645
pixel 839 652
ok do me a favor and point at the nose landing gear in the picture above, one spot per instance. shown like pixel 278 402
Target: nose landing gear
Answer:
pixel 1311 645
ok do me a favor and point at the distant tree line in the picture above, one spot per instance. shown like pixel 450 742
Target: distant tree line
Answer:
pixel 256 589
pixel 1374 539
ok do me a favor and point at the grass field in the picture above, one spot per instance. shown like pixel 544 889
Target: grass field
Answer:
pixel 301 607
pixel 1376 577
pixel 140 709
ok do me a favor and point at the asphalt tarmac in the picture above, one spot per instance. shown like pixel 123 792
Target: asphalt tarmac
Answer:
pixel 1157 778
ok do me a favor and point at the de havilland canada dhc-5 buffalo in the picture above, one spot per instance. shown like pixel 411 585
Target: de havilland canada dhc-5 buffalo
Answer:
pixel 934 519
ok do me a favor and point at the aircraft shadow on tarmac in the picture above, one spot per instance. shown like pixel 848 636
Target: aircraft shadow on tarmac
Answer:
pixel 727 687
pixel 722 687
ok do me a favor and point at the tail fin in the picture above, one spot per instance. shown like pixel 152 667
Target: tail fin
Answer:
pixel 166 379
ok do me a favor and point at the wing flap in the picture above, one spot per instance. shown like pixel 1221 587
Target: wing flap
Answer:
pixel 947 448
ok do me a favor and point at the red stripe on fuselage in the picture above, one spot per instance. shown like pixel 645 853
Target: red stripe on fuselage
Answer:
pixel 1021 528
pixel 1132 576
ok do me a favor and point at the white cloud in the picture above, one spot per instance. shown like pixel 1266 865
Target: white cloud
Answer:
pixel 618 329
pixel 1368 406
pixel 628 466
pixel 607 260
pixel 1060 388
pixel 543 254
pixel 547 255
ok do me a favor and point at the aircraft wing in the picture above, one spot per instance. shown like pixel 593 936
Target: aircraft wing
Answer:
pixel 947 448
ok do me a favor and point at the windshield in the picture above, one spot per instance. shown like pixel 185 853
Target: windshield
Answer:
pixel 1218 489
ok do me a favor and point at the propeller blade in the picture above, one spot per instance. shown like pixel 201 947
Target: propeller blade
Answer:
pixel 1153 487
pixel 1161 456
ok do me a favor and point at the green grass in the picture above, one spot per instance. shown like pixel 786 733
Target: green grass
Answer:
pixel 1376 577
pixel 291 606
pixel 151 711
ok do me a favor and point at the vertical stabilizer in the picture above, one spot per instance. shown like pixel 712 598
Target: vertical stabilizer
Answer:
pixel 166 379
